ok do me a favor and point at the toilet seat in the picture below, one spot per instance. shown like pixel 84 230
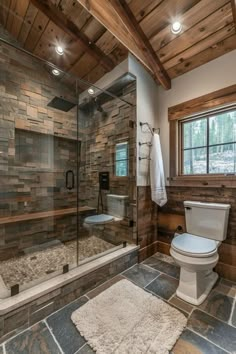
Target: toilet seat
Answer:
pixel 194 246
pixel 99 219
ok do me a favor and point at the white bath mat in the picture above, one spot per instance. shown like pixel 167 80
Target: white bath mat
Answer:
pixel 125 319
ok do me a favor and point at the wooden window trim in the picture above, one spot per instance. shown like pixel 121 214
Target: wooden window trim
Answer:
pixel 205 103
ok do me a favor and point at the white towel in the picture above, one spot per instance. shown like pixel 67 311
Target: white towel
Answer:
pixel 157 176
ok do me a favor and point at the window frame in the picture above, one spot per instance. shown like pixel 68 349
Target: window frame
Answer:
pixel 181 149
pixel 127 159
pixel 223 99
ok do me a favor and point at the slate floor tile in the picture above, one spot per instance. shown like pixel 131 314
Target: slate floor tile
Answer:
pixel 163 267
pixel 35 340
pixel 190 343
pixel 165 258
pixel 91 294
pixel 64 329
pixel 228 286
pixel 218 305
pixel 86 349
pixel 181 304
pixel 141 275
pixel 213 329
pixel 164 286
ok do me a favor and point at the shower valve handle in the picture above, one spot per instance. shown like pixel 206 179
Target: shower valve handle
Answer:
pixel 70 179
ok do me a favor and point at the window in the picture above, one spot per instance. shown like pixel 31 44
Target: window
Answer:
pixel 121 159
pixel 208 144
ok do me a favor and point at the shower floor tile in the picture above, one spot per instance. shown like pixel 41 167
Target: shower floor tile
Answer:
pixel 210 327
pixel 40 264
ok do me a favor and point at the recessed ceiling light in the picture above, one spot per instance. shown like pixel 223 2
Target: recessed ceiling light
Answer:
pixel 59 50
pixel 91 91
pixel 56 72
pixel 176 27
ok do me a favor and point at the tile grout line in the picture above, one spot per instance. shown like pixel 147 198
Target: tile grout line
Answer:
pixel 232 312
pixel 54 338
pixel 151 281
pixel 127 269
pixel 77 352
pixel 3 348
pixel 160 271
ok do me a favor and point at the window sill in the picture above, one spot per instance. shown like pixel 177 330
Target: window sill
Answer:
pixel 216 181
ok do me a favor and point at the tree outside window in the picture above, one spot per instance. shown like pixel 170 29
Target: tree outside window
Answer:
pixel 209 144
pixel 121 159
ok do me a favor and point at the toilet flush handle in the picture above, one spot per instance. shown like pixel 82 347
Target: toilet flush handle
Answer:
pixel 188 208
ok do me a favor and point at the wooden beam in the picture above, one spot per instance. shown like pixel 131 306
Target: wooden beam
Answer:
pixel 117 17
pixel 233 4
pixel 57 17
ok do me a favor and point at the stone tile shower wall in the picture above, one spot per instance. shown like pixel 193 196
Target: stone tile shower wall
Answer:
pixel 99 134
pixel 37 145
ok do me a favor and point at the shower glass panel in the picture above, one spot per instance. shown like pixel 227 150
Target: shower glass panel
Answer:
pixel 38 171
pixel 62 201
pixel 106 122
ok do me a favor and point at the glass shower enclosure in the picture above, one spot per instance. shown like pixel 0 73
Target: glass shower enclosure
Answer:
pixel 67 169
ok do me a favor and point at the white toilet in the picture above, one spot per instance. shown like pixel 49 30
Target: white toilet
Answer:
pixel 116 208
pixel 196 251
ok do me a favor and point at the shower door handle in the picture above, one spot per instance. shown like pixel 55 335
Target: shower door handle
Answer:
pixel 70 179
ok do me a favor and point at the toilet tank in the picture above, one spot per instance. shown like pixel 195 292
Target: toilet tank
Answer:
pixel 117 205
pixel 208 220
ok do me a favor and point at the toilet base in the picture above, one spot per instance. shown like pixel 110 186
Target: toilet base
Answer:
pixel 194 287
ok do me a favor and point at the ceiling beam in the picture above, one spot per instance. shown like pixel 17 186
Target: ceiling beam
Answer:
pixel 117 17
pixel 233 4
pixel 59 19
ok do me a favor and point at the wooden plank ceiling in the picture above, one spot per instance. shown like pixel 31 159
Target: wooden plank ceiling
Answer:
pixel 209 31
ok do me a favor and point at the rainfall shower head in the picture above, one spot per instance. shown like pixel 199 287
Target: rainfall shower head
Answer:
pixel 61 104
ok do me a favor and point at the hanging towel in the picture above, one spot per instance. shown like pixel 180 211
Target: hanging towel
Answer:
pixel 157 176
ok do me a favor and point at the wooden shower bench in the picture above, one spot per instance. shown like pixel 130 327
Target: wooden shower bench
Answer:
pixel 44 214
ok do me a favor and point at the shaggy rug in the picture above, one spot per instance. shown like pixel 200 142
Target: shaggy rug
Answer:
pixel 125 319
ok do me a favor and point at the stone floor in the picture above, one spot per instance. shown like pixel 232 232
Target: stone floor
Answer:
pixel 29 267
pixel 211 327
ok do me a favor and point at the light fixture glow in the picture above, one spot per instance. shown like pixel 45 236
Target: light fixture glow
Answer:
pixel 176 27
pixel 59 50
pixel 56 72
pixel 91 91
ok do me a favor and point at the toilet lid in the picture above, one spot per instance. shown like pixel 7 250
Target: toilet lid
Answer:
pixel 99 219
pixel 192 244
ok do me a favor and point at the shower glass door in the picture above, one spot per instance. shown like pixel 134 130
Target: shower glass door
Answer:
pixel 38 171
pixel 107 173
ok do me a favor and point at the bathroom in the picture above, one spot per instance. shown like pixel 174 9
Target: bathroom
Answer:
pixel 81 108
